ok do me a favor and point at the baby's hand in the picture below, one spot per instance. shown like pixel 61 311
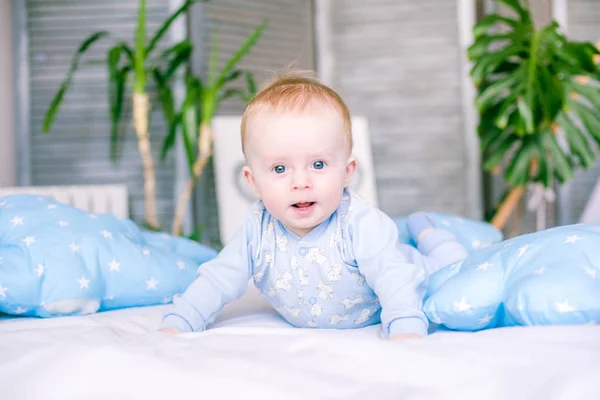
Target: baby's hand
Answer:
pixel 404 336
pixel 170 331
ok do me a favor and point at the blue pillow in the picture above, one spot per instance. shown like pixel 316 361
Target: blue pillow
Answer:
pixel 544 278
pixel 470 233
pixel 59 260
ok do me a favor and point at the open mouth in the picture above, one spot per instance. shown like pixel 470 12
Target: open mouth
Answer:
pixel 304 204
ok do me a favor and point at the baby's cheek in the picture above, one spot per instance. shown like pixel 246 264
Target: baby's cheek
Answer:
pixel 273 203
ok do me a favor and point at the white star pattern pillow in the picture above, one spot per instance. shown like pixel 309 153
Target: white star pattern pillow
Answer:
pixel 58 260
pixel 544 278
pixel 472 234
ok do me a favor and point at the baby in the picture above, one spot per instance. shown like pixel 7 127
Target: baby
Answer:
pixel 318 254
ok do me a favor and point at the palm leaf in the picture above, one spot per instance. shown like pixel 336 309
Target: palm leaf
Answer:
pixel 235 59
pixel 117 76
pixel 190 120
pixel 167 24
pixel 139 85
pixel 250 84
pixel 230 93
pixel 517 173
pixel 563 167
pixel 490 21
pixel 590 119
pixel 578 143
pixel 171 137
pixel 180 53
pixel 58 98
pixel 518 8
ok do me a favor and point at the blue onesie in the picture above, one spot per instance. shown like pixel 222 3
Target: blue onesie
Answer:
pixel 348 272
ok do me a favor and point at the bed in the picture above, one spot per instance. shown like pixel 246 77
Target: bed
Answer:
pixel 251 353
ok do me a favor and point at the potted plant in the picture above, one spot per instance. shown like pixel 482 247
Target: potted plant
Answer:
pixel 202 100
pixel 132 64
pixel 539 114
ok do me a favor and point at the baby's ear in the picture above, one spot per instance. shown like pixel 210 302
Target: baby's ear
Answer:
pixel 250 180
pixel 350 170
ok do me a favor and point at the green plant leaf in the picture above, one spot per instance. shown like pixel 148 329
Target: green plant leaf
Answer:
pixel 563 167
pixel 517 7
pixel 509 105
pixel 165 94
pixel 526 113
pixel 117 77
pixel 139 61
pixel 198 233
pixel 235 59
pixel 167 24
pixel 181 55
pixel 230 93
pixel 171 138
pixel 577 141
pixel 546 173
pixel 481 45
pixel 233 75
pixel 499 152
pixel 492 94
pixel 66 83
pixel 590 119
pixel 530 83
pixel 251 85
pixel 552 100
pixel 488 63
pixel 190 120
pixel 173 120
pixel 483 26
pixel 582 54
pixel 592 94
pixel 517 173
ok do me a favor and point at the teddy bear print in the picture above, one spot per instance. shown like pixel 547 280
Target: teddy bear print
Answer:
pixel 316 310
pixel 360 278
pixel 294 262
pixel 335 236
pixel 282 243
pixel 363 317
pixel 269 231
pixel 351 303
pixel 311 324
pixel 316 255
pixel 325 291
pixel 258 214
pixel 269 259
pixel 300 294
pixel 303 276
pixel 283 281
pixel 336 319
pixel 335 273
pixel 293 311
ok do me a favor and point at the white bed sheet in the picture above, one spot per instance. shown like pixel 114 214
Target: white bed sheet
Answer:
pixel 250 353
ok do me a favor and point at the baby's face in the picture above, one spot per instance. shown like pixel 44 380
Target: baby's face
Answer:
pixel 299 164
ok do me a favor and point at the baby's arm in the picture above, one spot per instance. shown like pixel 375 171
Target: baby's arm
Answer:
pixel 220 281
pixel 399 284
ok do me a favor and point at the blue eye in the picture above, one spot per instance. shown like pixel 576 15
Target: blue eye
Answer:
pixel 318 165
pixel 279 169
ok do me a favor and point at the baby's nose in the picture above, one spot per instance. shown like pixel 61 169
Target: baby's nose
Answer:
pixel 301 181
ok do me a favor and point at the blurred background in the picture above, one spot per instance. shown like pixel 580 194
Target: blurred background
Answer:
pixel 402 64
